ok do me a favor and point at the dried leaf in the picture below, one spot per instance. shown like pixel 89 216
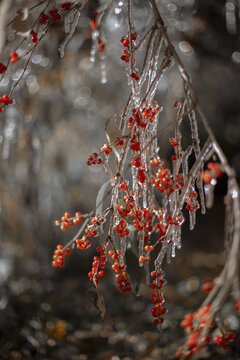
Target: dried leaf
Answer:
pixel 22 23
pixel 99 302
pixel 112 132
pixel 132 237
pixel 101 196
pixel 71 27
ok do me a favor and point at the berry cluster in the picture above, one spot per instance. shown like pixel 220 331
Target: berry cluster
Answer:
pixel 101 45
pixel 151 112
pixel 6 101
pixel 123 282
pixel 97 220
pixel 126 53
pixel 155 161
pixel 66 5
pixel 137 119
pixel 214 171
pixel 93 159
pixel 135 76
pixel 143 219
pixel 135 145
pixel 177 221
pixel 59 255
pixel 164 181
pixel 200 318
pixel 125 41
pixel 143 258
pixel 193 324
pixel 207 285
pixel 123 186
pixel 98 265
pixel 106 149
pixel 121 228
pixel 191 200
pixel 141 176
pixel 136 162
pixel 67 220
pixel 93 22
pixel 118 142
pixel 34 36
pixel 224 340
pixel 90 231
pixel 157 297
pixel 177 156
pixel 43 18
pixel 14 57
pixel 119 267
pixel 162 227
pixel 173 142
pixel 83 243
pixel 54 13
pixel 94 25
pixel 124 210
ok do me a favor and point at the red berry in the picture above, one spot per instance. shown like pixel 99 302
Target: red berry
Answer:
pixel 93 24
pixel 3 68
pixel 43 18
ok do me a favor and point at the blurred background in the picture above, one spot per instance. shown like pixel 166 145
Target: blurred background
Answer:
pixel 57 121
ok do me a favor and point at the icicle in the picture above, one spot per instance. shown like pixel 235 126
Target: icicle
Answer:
pixel 141 245
pixel 144 139
pixel 70 24
pixel 67 22
pixel 173 250
pixel 123 247
pixel 185 163
pixel 166 63
pixel 165 206
pixel 153 89
pixel 103 69
pixel 199 184
pixel 95 35
pixel 113 237
pixel 174 234
pixel 155 62
pixel 147 272
pixel 136 93
pixel 153 133
pixel 144 194
pixel 115 198
pixel 196 142
pixel 134 180
pixel 178 241
pixel 160 257
pixel 209 193
pixel 192 219
pixel 106 167
pixel 169 254
pixel 147 59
